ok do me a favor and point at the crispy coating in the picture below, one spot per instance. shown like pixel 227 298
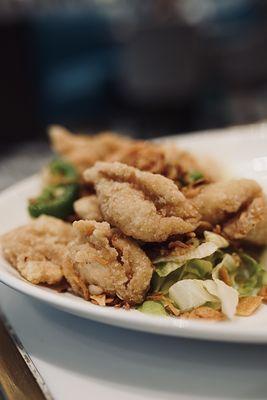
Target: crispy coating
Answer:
pixel 84 150
pixel 238 205
pixel 142 205
pixel 37 250
pixel 258 234
pixel 104 257
pixel 245 222
pixel 219 200
pixel 87 207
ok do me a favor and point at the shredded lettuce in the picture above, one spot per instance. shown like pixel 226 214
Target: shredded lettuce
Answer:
pixel 190 293
pixel 162 284
pixel 218 240
pixel 153 308
pixel 227 295
pixel 213 242
pixel 202 251
pixel 249 277
pixel 228 262
pixel 193 278
pixel 192 269
pixel 196 269
pixel 165 268
pixel 216 257
pixel 216 305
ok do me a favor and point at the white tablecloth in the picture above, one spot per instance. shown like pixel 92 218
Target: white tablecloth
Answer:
pixel 80 359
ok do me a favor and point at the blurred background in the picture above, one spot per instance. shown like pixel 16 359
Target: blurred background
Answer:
pixel 142 67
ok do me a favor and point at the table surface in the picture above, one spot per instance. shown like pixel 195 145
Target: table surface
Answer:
pixel 82 359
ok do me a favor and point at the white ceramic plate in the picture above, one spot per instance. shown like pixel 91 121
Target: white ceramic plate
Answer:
pixel 244 152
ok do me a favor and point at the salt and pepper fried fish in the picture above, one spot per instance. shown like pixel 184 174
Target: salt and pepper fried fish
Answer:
pixel 248 221
pixel 84 150
pixel 87 207
pixel 37 250
pixel 139 214
pixel 145 206
pixel 218 200
pixel 104 258
pixel 237 205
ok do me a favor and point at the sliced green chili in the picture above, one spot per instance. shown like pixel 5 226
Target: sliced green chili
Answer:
pixel 63 170
pixel 55 200
pixel 195 176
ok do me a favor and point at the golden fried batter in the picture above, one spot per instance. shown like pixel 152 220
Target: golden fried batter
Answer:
pixel 238 205
pixel 84 150
pixel 258 234
pixel 104 257
pixel 38 250
pixel 219 200
pixel 143 205
pixel 87 207
pixel 240 226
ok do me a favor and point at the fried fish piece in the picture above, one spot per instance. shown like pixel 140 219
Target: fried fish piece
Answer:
pixel 87 207
pixel 238 206
pixel 38 249
pixel 219 200
pixel 248 221
pixel 105 258
pixel 84 150
pixel 145 206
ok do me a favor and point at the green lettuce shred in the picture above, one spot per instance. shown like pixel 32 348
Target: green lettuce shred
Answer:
pixel 249 277
pixel 162 284
pixel 153 308
pixel 196 269
pixel 216 305
pixel 165 268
